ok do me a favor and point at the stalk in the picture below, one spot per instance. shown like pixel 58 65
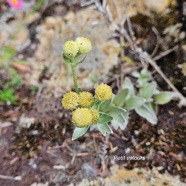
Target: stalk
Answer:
pixel 73 66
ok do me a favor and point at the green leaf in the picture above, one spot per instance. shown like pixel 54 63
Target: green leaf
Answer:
pixel 128 85
pixel 144 74
pixel 67 59
pixel 148 91
pixel 114 111
pixel 148 113
pixel 15 78
pixel 163 98
pixel 134 102
pixel 120 121
pixel 104 128
pixel 96 104
pixel 128 60
pixel 7 96
pixel 81 61
pixel 105 106
pixel 120 97
pixel 104 118
pixel 93 127
pixel 8 53
pixel 136 74
pixel 154 107
pixel 37 6
pixel 78 132
pixel 120 117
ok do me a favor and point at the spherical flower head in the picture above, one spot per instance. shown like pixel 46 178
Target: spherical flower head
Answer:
pixel 16 4
pixel 86 99
pixel 95 116
pixel 103 92
pixel 84 45
pixel 70 100
pixel 70 49
pixel 82 117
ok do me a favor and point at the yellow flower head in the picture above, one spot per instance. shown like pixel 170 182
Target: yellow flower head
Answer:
pixel 70 48
pixel 82 117
pixel 86 99
pixel 84 45
pixel 70 100
pixel 103 92
pixel 95 115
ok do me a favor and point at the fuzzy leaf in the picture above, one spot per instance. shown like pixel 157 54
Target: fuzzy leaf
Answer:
pixel 147 91
pixel 104 118
pixel 104 106
pixel 128 85
pixel 162 98
pixel 67 59
pixel 81 61
pixel 120 121
pixel 115 111
pixel 120 97
pixel 148 113
pixel 96 104
pixel 136 74
pixel 134 102
pixel 104 128
pixel 78 132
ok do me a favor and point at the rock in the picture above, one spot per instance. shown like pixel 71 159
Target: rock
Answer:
pixel 136 177
pixel 25 122
pixel 158 6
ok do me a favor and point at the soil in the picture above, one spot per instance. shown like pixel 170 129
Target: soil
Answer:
pixel 33 152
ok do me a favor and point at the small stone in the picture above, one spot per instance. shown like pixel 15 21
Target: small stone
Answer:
pixel 26 121
pixel 136 132
pixel 171 113
pixel 162 131
pixel 178 167
pixel 157 6
pixel 160 168
pixel 148 143
pixel 127 150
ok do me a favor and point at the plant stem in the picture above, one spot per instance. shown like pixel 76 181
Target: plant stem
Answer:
pixel 73 66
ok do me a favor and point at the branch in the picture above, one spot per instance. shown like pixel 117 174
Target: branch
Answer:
pixel 144 56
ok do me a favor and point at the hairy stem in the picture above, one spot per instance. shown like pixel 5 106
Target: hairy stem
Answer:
pixel 73 66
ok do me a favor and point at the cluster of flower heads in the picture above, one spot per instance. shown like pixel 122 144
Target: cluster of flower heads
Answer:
pixel 81 45
pixel 83 114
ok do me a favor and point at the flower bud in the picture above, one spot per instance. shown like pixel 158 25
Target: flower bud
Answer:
pixel 70 49
pixel 86 99
pixel 70 100
pixel 84 45
pixel 95 116
pixel 103 92
pixel 82 117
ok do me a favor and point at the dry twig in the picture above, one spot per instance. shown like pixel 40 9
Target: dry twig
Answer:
pixel 17 178
pixel 144 56
pixel 163 54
